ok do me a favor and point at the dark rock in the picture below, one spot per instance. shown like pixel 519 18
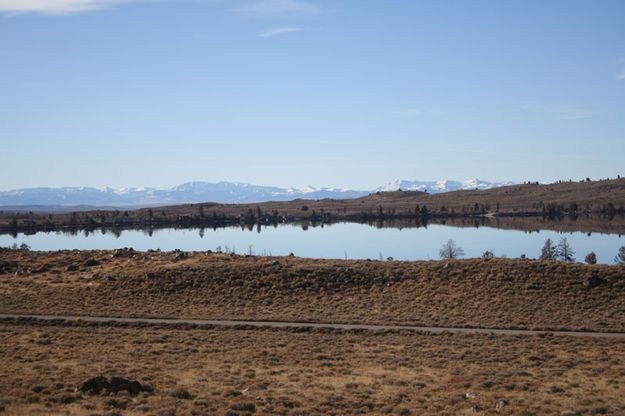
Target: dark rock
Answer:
pixel 99 384
pixel 91 263
pixel 94 385
pixel 166 413
pixel 593 281
pixel 71 268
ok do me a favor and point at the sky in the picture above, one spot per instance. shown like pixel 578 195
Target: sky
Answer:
pixel 345 93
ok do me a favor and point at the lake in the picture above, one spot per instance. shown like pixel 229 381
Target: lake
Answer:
pixel 340 240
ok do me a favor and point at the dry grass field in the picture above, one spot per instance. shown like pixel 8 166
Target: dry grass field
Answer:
pixel 207 370
pixel 484 293
pixel 238 371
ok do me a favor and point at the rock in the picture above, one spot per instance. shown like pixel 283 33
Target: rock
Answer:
pixel 124 252
pixel 94 385
pixel 166 413
pixel 470 395
pixel 91 263
pixel 593 281
pixel 182 394
pixel 500 405
pixel 133 387
pixel 71 268
pixel 99 384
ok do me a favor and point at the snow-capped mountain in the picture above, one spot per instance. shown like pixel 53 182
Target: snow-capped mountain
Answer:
pixel 223 192
pixel 440 186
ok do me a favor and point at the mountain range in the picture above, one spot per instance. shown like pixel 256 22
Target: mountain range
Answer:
pixel 222 192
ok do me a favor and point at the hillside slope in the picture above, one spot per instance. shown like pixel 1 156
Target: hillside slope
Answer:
pixel 493 293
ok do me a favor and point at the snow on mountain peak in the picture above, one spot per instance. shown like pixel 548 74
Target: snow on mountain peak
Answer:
pixel 223 192
pixel 439 186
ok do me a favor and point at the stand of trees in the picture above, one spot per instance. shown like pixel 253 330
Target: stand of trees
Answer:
pixel 562 251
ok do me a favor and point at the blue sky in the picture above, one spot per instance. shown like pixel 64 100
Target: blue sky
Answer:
pixel 323 93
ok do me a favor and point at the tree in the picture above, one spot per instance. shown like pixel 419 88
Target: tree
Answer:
pixel 591 258
pixel 564 251
pixel 450 250
pixel 548 251
pixel 488 254
pixel 620 256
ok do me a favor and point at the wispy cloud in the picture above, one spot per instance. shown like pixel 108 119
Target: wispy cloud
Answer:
pixel 278 31
pixel 565 112
pixel 278 8
pixel 54 6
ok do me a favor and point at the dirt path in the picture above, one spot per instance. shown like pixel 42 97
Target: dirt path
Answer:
pixel 276 324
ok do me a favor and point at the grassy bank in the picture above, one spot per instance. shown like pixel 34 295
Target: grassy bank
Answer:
pixel 485 293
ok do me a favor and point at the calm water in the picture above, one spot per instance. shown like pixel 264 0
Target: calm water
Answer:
pixel 343 240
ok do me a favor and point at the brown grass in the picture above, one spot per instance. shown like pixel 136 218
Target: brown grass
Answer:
pixel 494 293
pixel 286 372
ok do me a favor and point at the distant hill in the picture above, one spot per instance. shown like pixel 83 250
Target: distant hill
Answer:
pixel 81 198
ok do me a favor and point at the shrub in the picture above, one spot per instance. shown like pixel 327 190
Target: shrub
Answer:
pixel 451 251
pixel 549 251
pixel 620 256
pixel 564 251
pixel 182 394
pixel 245 407
pixel 591 258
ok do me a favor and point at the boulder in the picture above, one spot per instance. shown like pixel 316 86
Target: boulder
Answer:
pixel 91 263
pixel 593 281
pixel 97 385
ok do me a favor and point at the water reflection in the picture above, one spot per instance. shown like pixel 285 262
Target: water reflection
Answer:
pixel 342 240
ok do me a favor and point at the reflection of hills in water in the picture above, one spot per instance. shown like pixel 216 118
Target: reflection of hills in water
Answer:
pixel 614 224
pixel 588 224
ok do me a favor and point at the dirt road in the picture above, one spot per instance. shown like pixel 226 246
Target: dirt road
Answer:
pixel 277 324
